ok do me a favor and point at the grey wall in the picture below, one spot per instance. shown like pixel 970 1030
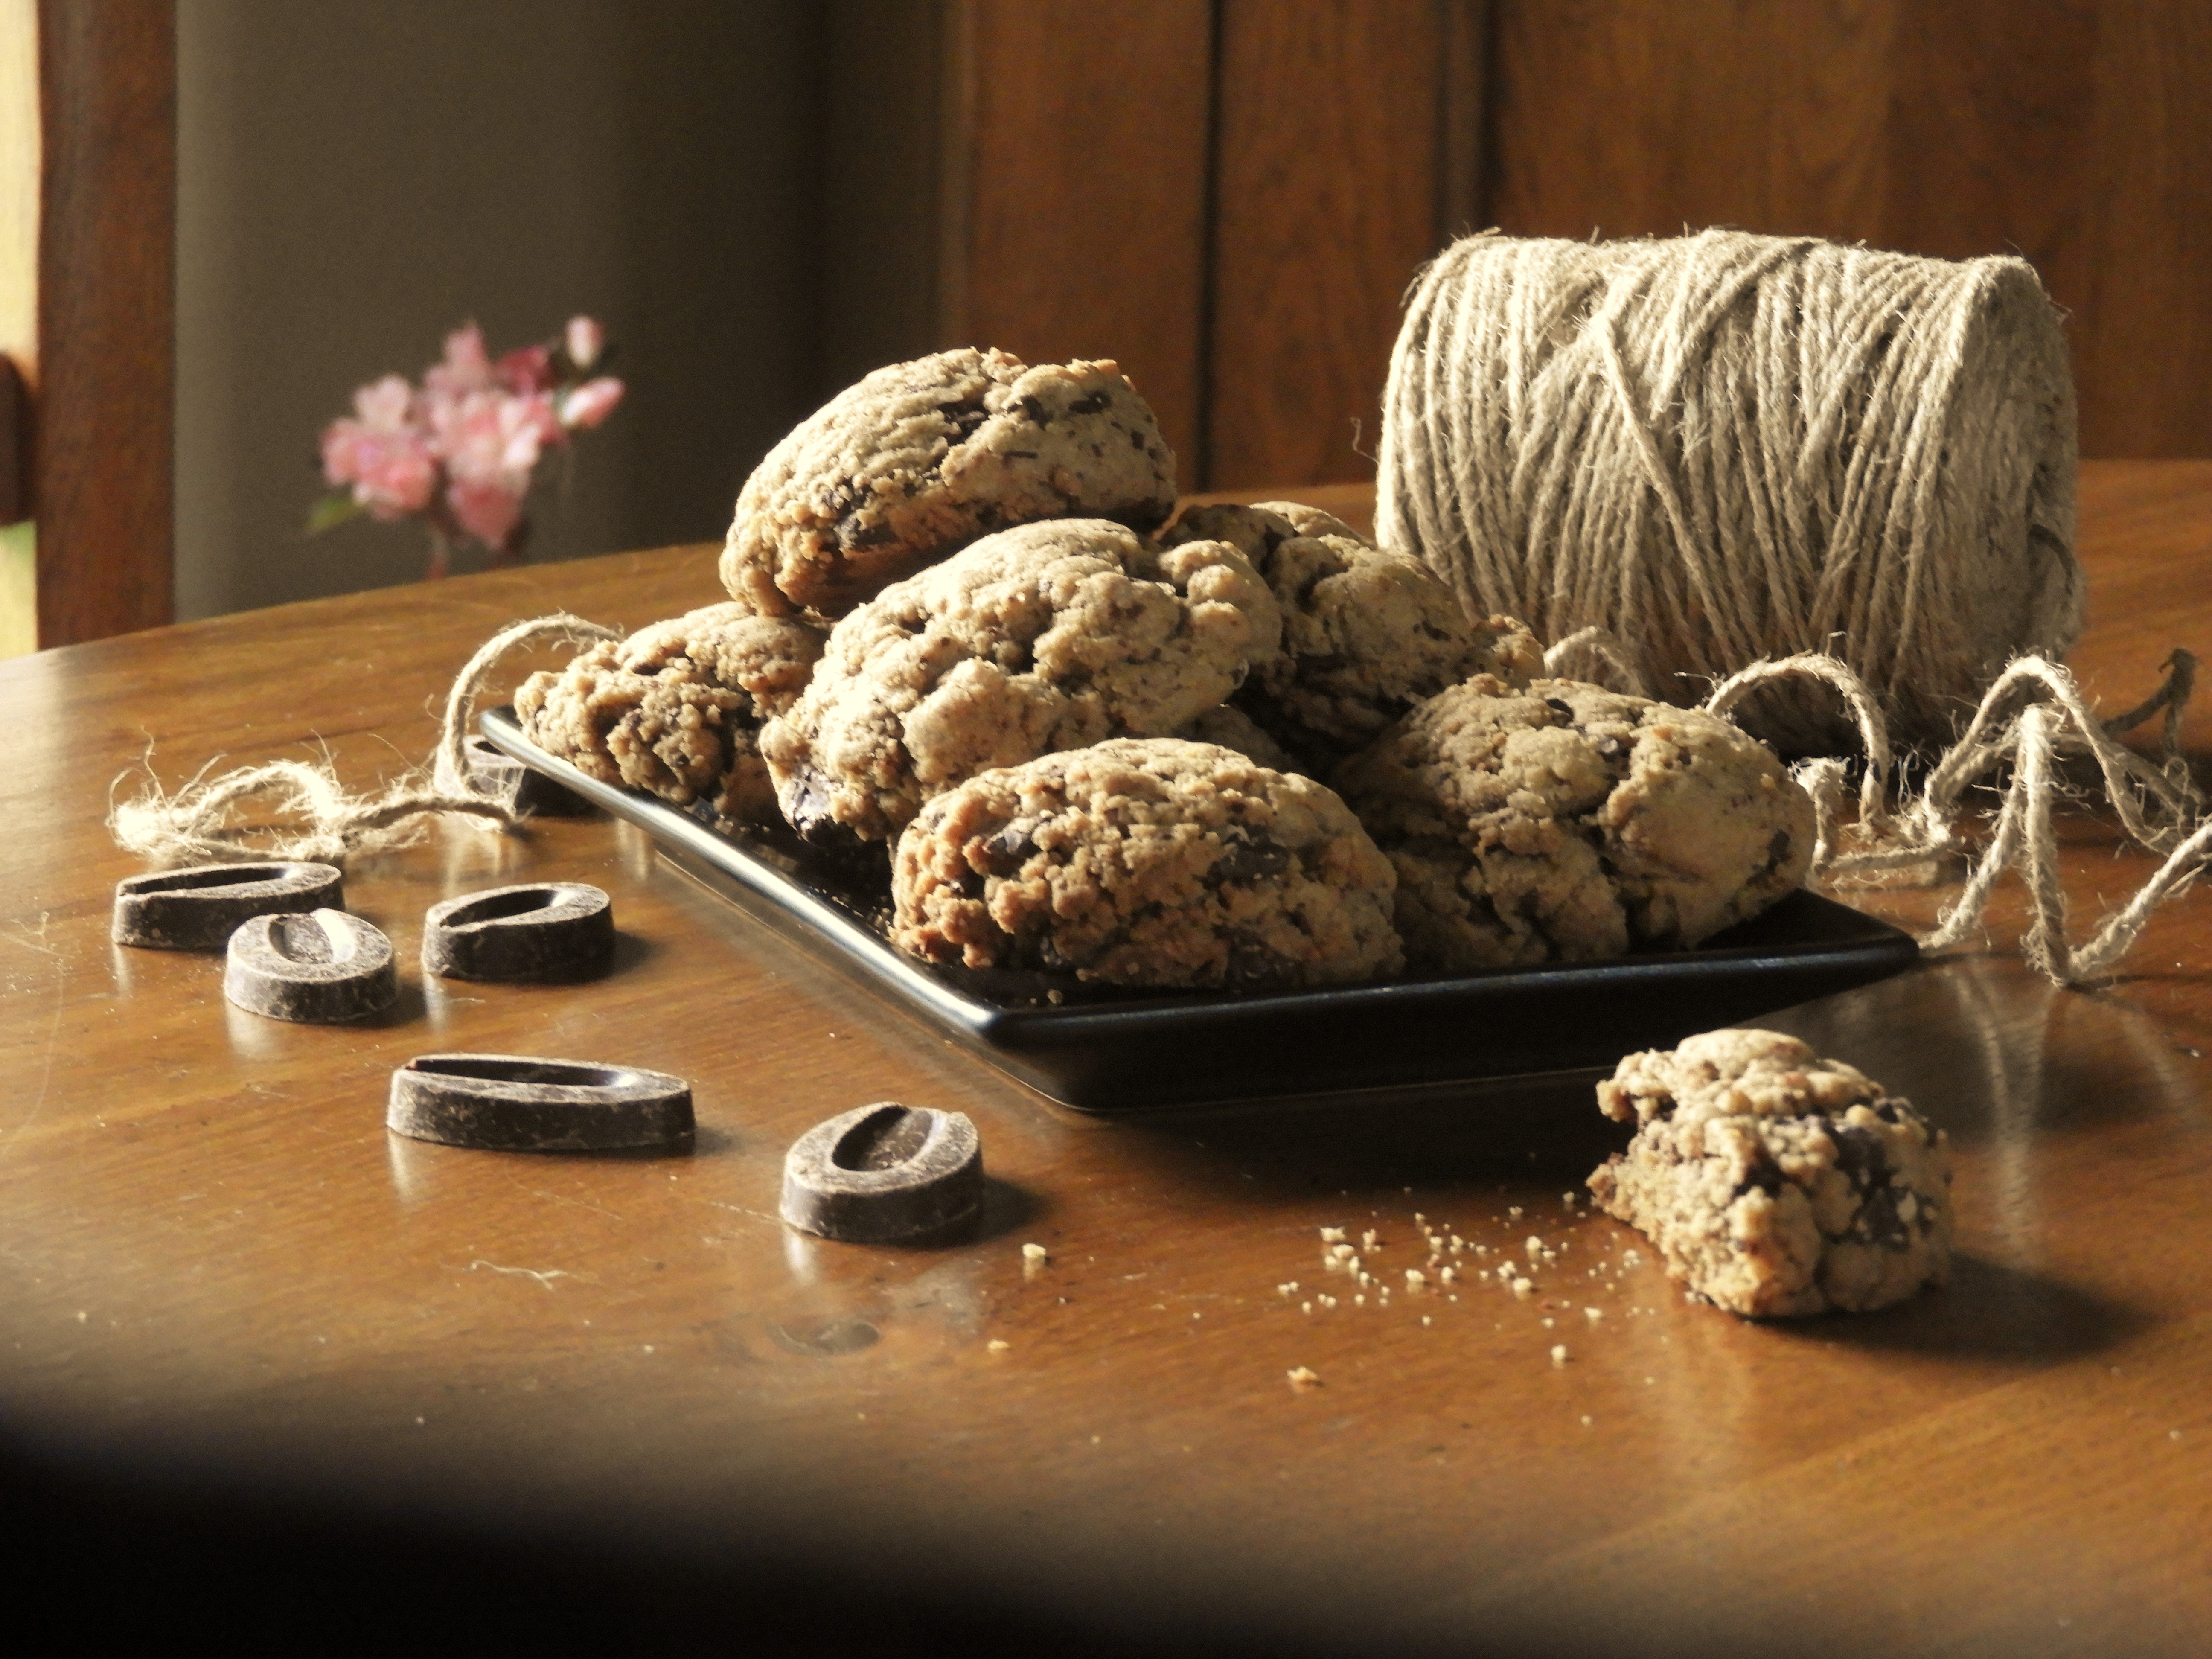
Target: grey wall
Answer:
pixel 356 178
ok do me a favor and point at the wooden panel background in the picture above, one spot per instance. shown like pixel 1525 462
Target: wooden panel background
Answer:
pixel 102 464
pixel 1076 191
pixel 1232 196
pixel 1331 118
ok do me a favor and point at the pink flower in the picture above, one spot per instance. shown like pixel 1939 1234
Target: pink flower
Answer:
pixel 590 403
pixel 583 340
pixel 382 453
pixel 526 369
pixel 484 510
pixel 462 449
pixel 488 437
pixel 467 368
pixel 386 406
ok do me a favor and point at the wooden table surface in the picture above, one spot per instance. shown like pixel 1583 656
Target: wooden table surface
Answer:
pixel 220 1279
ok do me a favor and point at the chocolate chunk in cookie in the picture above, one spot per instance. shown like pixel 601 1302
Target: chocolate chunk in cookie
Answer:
pixel 1775 1182
pixel 1367 635
pixel 1563 823
pixel 1048 636
pixel 676 709
pixel 1147 861
pixel 921 458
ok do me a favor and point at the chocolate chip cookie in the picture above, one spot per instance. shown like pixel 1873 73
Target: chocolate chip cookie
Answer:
pixel 1048 636
pixel 676 709
pixel 1775 1182
pixel 1366 634
pixel 1147 861
pixel 921 458
pixel 1563 823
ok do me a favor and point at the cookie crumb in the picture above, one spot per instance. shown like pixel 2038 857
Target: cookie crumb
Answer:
pixel 1586 1421
pixel 1524 1289
pixel 1035 1253
pixel 1514 1211
pixel 1305 1376
pixel 1558 1354
pixel 998 1344
pixel 1775 1182
pixel 1332 1235
pixel 1415 1279
pixel 1593 1315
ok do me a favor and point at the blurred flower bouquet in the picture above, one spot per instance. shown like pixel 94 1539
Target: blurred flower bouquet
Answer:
pixel 459 451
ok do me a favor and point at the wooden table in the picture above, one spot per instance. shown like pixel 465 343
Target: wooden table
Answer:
pixel 237 1316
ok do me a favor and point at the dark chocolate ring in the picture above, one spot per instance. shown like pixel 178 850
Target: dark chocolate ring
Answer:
pixel 531 930
pixel 526 1103
pixel 885 1172
pixel 199 909
pixel 323 966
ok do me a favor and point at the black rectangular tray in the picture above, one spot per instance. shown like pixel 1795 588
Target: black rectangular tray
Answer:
pixel 1102 1049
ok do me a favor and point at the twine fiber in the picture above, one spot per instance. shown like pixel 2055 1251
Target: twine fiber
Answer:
pixel 1725 447
pixel 307 812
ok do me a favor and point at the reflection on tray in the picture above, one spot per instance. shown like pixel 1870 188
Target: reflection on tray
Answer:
pixel 1110 1048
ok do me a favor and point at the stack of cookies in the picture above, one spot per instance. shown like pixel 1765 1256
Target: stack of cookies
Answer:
pixel 1245 750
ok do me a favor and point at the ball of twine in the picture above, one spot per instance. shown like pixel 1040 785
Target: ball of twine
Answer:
pixel 1725 447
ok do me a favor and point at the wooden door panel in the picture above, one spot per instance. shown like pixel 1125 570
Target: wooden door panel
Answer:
pixel 1076 198
pixel 102 419
pixel 1327 198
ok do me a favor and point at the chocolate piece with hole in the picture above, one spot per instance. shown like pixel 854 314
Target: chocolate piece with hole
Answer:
pixel 524 789
pixel 539 930
pixel 199 909
pixel 885 1172
pixel 323 966
pixel 524 1103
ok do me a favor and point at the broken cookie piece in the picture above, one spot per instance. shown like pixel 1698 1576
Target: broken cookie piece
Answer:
pixel 1775 1182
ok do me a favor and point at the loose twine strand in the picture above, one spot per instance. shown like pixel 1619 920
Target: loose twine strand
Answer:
pixel 2032 718
pixel 309 814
